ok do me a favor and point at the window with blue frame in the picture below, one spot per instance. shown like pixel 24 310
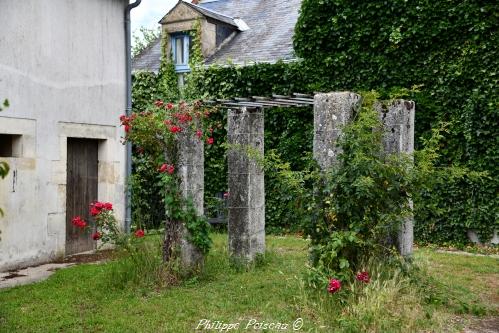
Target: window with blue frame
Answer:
pixel 180 49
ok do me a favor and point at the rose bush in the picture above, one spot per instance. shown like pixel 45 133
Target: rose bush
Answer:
pixel 156 132
pixel 106 227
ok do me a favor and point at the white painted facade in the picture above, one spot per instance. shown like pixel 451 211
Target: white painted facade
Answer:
pixel 62 68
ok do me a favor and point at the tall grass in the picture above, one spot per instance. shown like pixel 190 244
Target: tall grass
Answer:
pixel 141 266
pixel 398 298
pixel 390 302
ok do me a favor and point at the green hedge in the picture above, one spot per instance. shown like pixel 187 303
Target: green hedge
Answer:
pixel 288 131
pixel 449 49
pixel 455 204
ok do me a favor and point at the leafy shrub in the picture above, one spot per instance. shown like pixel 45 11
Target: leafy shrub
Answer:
pixel 361 203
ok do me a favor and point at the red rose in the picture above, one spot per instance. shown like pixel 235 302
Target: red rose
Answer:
pixel 163 168
pixel 175 129
pixel 123 118
pixel 127 128
pixel 94 211
pixel 334 286
pixel 167 168
pixel 139 233
pixel 169 106
pixel 108 206
pixel 363 276
pixel 184 118
pixel 210 141
pixel 96 207
pixel 78 222
pixel 159 103
pixel 199 133
pixel 170 169
pixel 99 205
pixel 96 235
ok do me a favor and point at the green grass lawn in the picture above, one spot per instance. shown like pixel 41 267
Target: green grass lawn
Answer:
pixel 79 299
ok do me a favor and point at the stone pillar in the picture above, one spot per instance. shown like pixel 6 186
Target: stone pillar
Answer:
pixel 332 111
pixel 246 201
pixel 398 137
pixel 191 172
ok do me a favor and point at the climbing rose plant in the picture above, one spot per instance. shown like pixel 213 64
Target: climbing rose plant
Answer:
pixel 156 134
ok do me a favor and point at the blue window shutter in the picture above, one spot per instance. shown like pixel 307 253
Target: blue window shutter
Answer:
pixel 184 66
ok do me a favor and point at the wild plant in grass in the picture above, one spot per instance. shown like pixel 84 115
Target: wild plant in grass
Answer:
pixel 387 299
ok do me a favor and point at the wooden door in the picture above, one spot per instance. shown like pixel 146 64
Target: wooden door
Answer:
pixel 81 190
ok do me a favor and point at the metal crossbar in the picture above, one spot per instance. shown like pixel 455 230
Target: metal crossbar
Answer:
pixel 296 100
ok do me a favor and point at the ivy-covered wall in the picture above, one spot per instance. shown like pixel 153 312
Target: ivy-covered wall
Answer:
pixel 449 49
pixel 446 48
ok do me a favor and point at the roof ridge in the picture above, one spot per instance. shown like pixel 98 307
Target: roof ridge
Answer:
pixel 207 9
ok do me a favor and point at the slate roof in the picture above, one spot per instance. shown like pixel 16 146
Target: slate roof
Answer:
pixel 269 38
pixel 213 14
pixel 149 59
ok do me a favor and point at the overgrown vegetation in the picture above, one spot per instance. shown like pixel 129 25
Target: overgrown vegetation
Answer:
pixel 447 49
pixel 82 299
pixel 288 132
pixel 450 49
pixel 357 209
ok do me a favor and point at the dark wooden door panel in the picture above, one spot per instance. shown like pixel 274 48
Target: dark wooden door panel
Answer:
pixel 81 190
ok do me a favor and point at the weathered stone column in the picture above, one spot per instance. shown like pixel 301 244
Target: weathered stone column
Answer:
pixel 398 137
pixel 332 111
pixel 191 172
pixel 246 184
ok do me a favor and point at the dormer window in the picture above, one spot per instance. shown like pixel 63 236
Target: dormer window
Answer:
pixel 180 49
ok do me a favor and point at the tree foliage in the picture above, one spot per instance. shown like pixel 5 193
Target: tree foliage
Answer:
pixel 143 38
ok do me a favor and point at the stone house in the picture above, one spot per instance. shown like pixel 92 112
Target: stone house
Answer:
pixel 240 32
pixel 63 69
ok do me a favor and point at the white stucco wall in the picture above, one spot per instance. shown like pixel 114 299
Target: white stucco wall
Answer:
pixel 62 67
